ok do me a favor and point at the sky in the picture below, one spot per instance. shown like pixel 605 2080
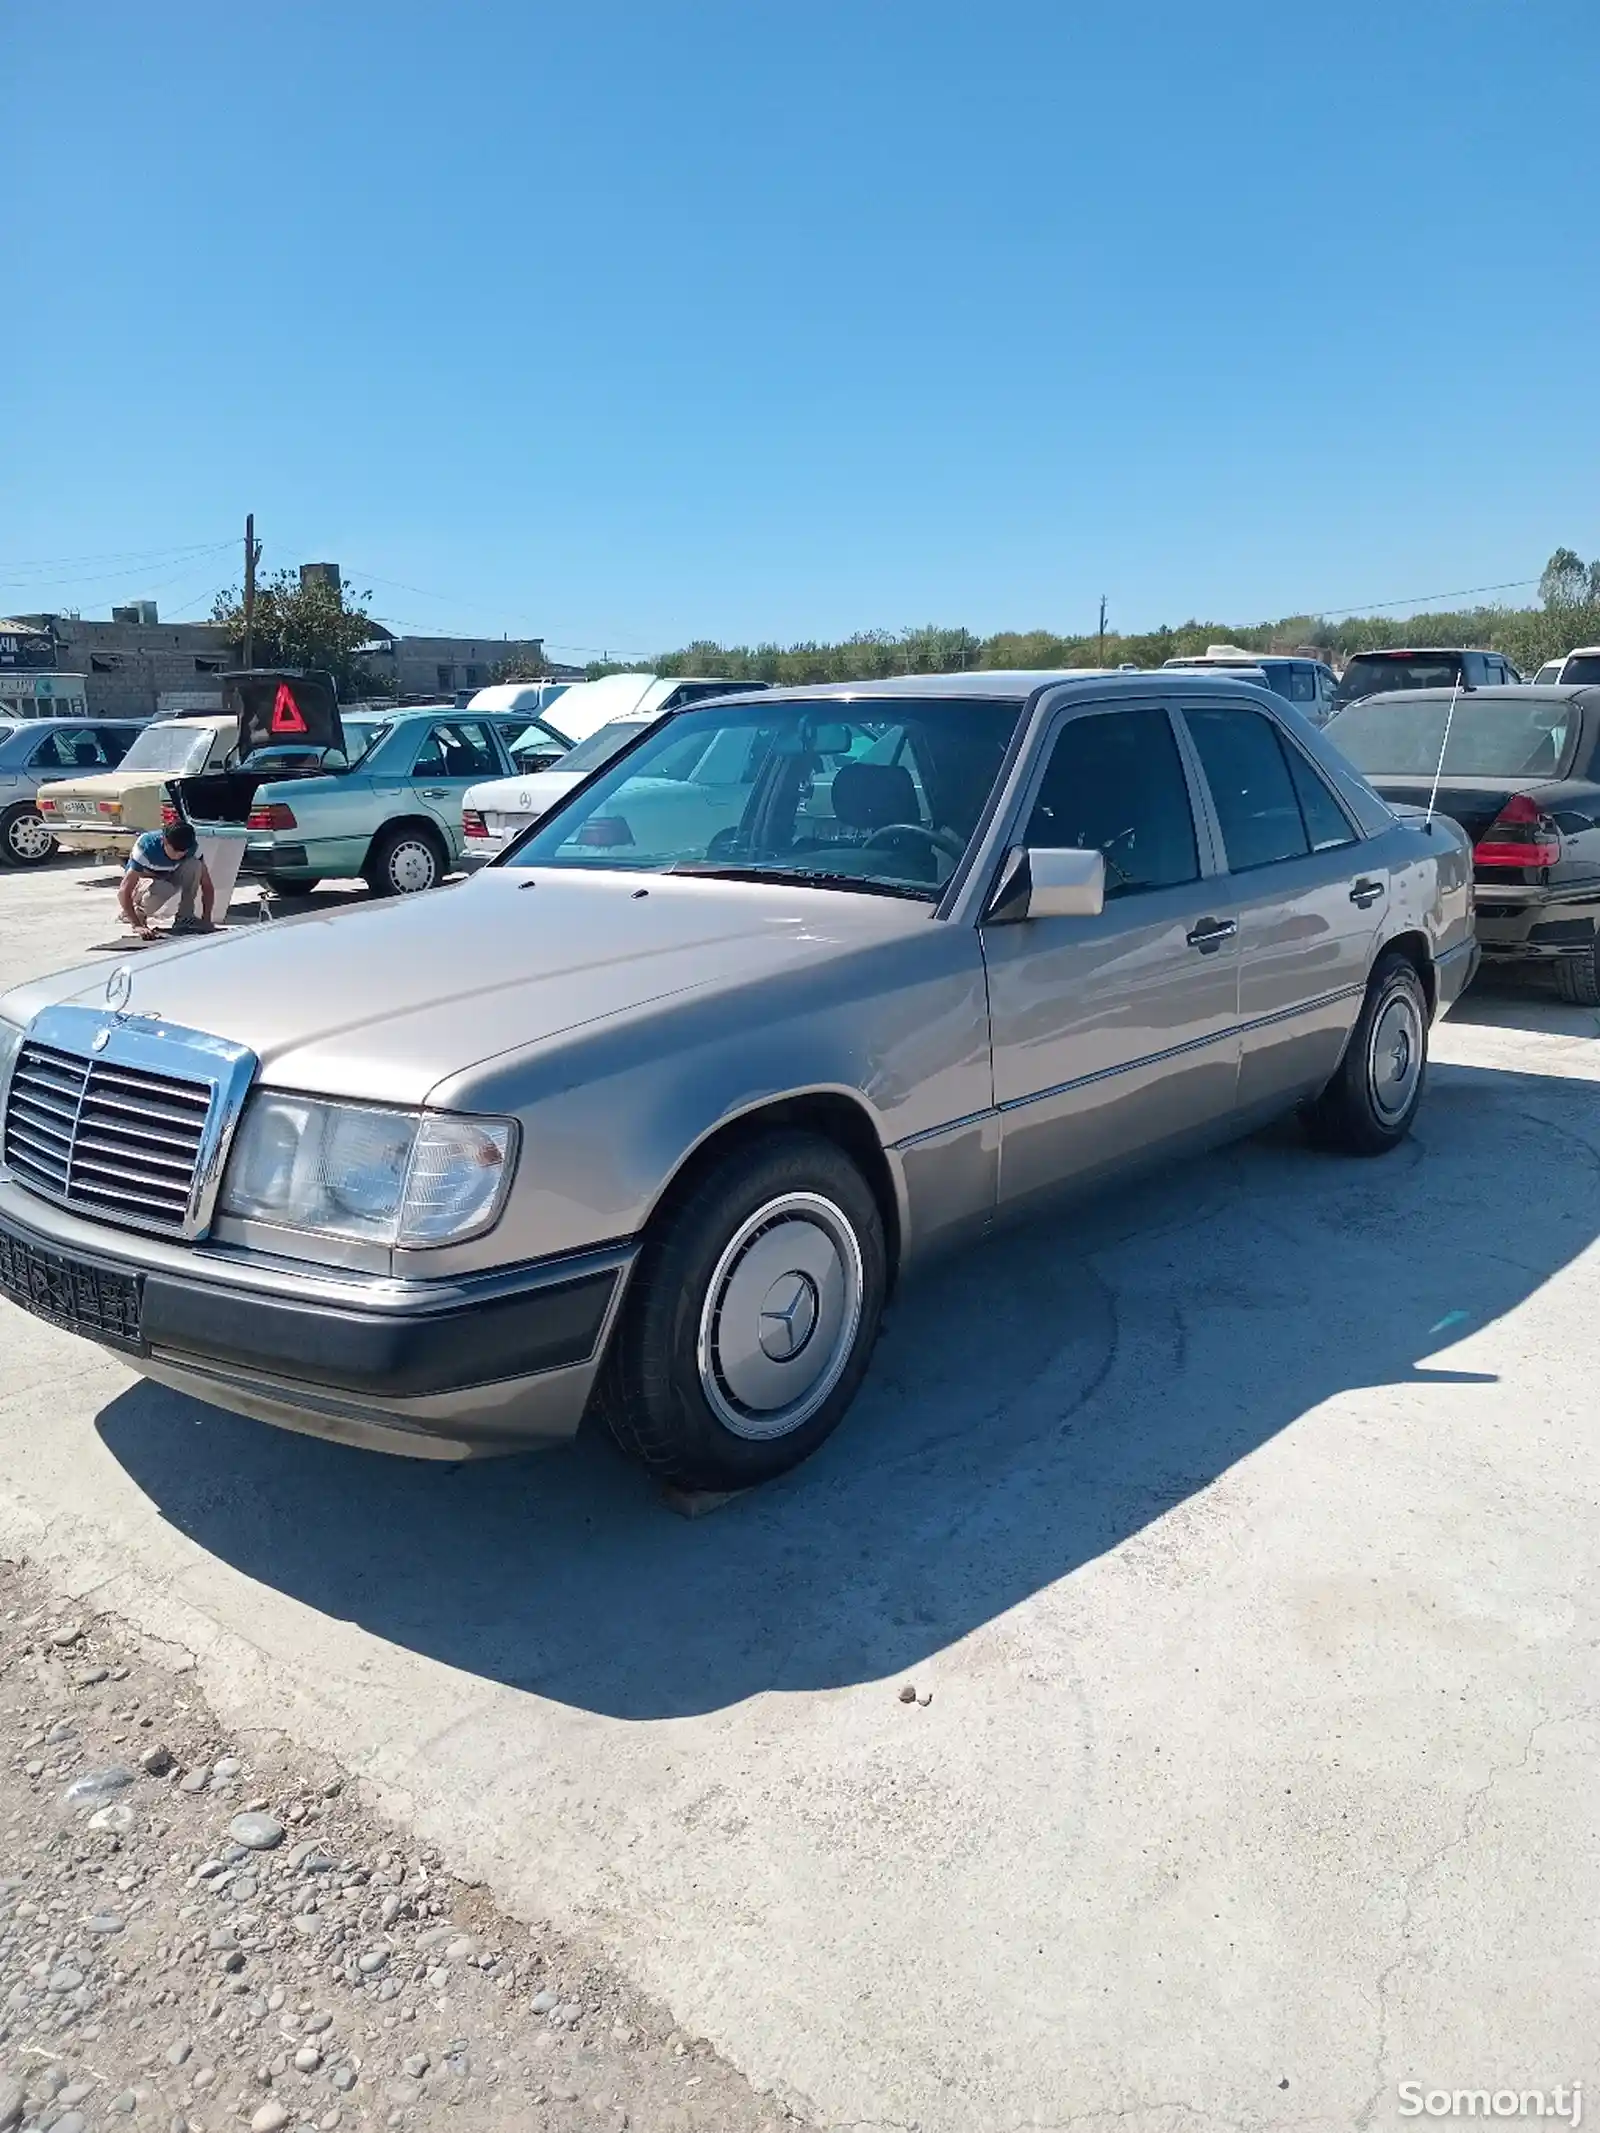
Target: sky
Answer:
pixel 627 325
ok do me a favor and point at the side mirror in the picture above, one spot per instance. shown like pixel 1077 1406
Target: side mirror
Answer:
pixel 1049 882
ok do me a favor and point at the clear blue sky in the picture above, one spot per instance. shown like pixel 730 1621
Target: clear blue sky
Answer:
pixel 628 324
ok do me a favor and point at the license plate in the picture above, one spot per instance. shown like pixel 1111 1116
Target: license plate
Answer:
pixel 83 1299
pixel 80 810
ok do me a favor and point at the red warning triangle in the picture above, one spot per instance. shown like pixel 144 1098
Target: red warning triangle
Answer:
pixel 287 716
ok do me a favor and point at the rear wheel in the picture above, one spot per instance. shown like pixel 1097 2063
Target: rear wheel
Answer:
pixel 751 1316
pixel 1578 978
pixel 24 839
pixel 1369 1105
pixel 405 860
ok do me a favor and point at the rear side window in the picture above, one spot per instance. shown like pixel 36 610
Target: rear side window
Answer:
pixel 458 751
pixel 1326 825
pixel 1115 784
pixel 1251 789
pixel 1582 666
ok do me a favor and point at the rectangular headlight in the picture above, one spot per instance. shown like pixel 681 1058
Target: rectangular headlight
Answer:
pixel 352 1170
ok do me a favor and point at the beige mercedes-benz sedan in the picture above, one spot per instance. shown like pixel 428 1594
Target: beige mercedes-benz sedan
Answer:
pixel 650 1116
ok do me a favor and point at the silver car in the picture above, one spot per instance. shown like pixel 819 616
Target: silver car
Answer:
pixel 39 751
pixel 651 1116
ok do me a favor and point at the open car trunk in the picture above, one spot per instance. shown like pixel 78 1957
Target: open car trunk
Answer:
pixel 289 725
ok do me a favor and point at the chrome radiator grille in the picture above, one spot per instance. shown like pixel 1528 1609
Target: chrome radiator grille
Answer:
pixel 107 1139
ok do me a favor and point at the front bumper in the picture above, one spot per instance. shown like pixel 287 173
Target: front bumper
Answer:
pixel 444 1369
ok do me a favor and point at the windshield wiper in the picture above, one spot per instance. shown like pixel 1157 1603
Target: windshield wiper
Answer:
pixel 813 878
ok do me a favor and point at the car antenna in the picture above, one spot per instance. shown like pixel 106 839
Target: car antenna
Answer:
pixel 1438 769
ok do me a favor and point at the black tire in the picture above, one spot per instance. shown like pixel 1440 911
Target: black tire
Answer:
pixel 1369 1105
pixel 20 831
pixel 393 865
pixel 1578 978
pixel 720 1252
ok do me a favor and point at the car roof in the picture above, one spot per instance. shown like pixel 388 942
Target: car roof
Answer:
pixel 1579 651
pixel 1015 683
pixel 1519 693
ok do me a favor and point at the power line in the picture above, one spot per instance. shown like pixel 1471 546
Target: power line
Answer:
pixel 115 555
pixel 70 587
pixel 1416 600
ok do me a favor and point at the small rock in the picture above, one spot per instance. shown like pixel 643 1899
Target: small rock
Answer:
pixel 372 1961
pixel 544 2002
pixel 435 1937
pixel 262 1833
pixel 12 2098
pixel 195 1780
pixel 389 1910
pixel 53 2080
pixel 343 2079
pixel 125 2104
pixel 66 1979
pixel 416 2066
pixel 233 1961
pixel 925 1698
pixel 75 2092
pixel 569 2014
pixel 243 1888
pixel 34 1769
pixel 222 1937
pixel 315 2024
pixel 908 1694
pixel 462 1949
pixel 156 1760
pixel 226 1767
pixel 403 2094
pixel 271 2118
pixel 105 1922
pixel 96 1786
pixel 90 1677
pixel 67 1634
pixel 179 2052
pixel 70 2122
pixel 307 2059
pixel 115 1820
pixel 61 1730
pixel 204 2078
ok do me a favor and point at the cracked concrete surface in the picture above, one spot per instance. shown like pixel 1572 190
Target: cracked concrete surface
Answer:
pixel 1242 1529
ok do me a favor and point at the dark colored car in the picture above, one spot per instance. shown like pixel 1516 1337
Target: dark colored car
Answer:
pixel 1522 778
pixel 1384 673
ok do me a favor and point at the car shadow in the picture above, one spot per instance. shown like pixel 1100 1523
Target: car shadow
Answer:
pixel 1525 999
pixel 1031 1406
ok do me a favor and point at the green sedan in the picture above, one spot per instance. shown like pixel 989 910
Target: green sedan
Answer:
pixel 382 803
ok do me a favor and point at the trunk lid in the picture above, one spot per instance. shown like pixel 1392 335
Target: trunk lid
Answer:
pixel 1473 802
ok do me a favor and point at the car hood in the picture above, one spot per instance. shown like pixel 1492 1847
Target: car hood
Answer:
pixel 388 1001
pixel 529 795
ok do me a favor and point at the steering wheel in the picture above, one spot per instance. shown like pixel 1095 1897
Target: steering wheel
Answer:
pixel 942 840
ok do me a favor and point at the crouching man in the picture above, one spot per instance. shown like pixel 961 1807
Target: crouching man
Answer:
pixel 165 867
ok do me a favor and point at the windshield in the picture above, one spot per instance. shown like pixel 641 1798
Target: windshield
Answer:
pixel 180 748
pixel 1490 737
pixel 877 796
pixel 602 746
pixel 1378 673
pixel 1581 666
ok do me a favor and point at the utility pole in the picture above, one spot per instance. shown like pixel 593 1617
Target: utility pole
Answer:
pixel 1102 659
pixel 251 555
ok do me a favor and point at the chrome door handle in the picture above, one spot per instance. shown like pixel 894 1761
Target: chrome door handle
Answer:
pixel 1210 933
pixel 435 792
pixel 1366 891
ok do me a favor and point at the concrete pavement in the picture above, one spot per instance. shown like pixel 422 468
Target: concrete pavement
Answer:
pixel 1242 1530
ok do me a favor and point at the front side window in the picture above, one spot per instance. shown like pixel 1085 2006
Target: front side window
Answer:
pixel 458 751
pixel 881 797
pixel 1251 788
pixel 1114 784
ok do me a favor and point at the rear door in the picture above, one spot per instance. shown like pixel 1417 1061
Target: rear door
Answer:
pixel 1115 1036
pixel 452 754
pixel 1308 910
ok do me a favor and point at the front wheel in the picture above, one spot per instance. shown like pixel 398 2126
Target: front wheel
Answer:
pixel 1369 1105
pixel 405 860
pixel 24 839
pixel 751 1316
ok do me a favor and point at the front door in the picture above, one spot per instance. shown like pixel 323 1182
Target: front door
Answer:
pixel 1308 911
pixel 456 753
pixel 1114 1037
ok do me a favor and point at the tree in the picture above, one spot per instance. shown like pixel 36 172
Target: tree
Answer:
pixel 305 624
pixel 522 666
pixel 1565 582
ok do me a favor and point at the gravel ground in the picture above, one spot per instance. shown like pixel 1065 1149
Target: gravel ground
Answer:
pixel 200 1932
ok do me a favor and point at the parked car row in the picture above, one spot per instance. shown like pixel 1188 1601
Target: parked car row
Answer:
pixel 648 1117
